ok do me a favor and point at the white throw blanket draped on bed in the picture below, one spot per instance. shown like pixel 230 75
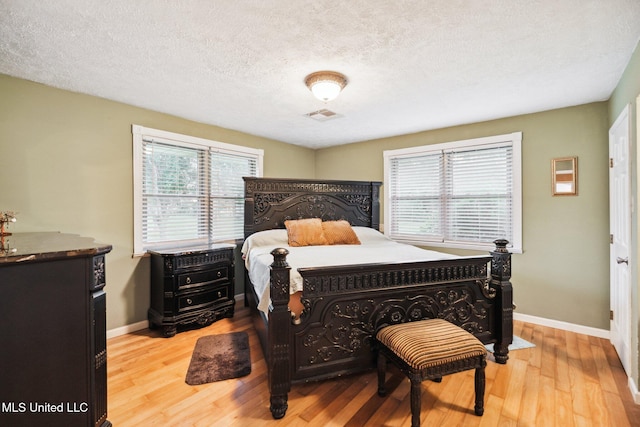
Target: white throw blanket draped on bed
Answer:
pixel 375 248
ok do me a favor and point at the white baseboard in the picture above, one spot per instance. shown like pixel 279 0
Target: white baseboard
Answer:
pixel 127 329
pixel 634 391
pixel 138 326
pixel 565 326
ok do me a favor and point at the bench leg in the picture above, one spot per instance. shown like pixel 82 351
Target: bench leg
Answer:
pixel 479 386
pixel 382 370
pixel 416 401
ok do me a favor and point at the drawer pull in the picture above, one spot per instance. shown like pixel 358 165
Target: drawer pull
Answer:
pixel 189 301
pixel 188 280
pixel 219 294
pixel 219 273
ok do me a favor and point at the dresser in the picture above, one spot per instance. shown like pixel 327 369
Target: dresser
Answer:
pixel 191 287
pixel 53 361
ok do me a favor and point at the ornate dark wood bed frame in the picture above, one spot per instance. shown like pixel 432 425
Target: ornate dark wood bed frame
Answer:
pixel 344 306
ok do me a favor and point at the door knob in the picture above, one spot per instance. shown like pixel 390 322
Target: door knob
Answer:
pixel 622 260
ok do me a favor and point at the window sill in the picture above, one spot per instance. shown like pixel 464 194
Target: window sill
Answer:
pixel 454 245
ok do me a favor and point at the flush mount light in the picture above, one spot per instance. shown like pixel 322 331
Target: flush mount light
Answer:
pixel 325 85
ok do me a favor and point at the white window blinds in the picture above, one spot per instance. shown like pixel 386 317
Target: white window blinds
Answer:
pixel 478 194
pixel 174 193
pixel 464 194
pixel 188 190
pixel 416 202
pixel 227 194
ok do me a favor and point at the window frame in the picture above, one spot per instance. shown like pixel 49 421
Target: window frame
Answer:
pixel 514 139
pixel 140 133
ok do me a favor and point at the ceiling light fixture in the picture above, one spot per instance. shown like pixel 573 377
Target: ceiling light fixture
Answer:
pixel 325 85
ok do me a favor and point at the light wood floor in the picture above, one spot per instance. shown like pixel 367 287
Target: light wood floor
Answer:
pixel 568 379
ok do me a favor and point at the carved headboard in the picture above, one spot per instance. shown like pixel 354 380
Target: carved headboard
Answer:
pixel 269 202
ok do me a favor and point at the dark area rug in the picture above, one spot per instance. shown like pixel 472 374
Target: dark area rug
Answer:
pixel 219 357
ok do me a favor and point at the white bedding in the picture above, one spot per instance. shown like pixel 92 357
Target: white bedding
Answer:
pixel 375 248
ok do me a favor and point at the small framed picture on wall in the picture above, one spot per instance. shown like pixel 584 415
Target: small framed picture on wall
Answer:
pixel 564 176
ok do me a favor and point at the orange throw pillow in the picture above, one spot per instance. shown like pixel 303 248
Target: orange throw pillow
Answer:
pixel 305 232
pixel 339 233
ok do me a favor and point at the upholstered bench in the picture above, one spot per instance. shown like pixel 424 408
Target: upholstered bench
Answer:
pixel 428 350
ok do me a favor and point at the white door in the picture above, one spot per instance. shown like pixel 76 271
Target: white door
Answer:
pixel 620 226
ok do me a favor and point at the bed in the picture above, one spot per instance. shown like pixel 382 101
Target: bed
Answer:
pixel 325 328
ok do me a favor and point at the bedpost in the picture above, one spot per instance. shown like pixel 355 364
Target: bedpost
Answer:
pixel 278 361
pixel 375 205
pixel 500 275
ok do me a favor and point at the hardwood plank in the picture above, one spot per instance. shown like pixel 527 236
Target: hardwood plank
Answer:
pixel 492 417
pixel 537 338
pixel 563 408
pixel 513 399
pixel 530 393
pixel 456 397
pixel 507 422
pixel 548 359
pixel 325 417
pixel 616 411
pixel 580 421
pixel 589 368
pixel 546 402
pixel 599 414
pixel 605 377
pixel 366 410
pixel 324 399
pixel 500 383
pixel 384 408
pixel 561 375
pixel 344 417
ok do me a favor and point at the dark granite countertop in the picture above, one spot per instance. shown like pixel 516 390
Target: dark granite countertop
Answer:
pixel 39 246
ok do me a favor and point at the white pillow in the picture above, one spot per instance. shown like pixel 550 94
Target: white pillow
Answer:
pixel 369 236
pixel 277 237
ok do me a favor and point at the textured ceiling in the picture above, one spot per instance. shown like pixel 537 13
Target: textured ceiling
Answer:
pixel 240 64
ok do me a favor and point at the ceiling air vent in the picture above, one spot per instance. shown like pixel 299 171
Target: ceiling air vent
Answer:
pixel 323 115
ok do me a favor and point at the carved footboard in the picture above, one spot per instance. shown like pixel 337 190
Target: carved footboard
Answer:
pixel 346 305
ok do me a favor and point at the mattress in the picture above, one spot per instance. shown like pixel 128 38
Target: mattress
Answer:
pixel 375 247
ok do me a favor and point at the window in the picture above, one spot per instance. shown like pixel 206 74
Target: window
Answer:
pixel 462 194
pixel 188 190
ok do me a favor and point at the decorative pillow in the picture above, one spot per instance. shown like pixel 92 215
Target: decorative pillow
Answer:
pixel 339 233
pixel 305 232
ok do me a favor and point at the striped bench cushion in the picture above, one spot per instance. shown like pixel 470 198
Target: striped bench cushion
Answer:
pixel 427 343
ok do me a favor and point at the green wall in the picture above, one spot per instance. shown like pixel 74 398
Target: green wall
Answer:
pixel 563 273
pixel 66 165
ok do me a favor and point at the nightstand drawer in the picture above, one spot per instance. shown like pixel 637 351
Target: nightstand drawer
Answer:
pixel 195 300
pixel 200 278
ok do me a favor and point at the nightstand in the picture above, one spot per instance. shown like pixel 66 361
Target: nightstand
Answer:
pixel 191 286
